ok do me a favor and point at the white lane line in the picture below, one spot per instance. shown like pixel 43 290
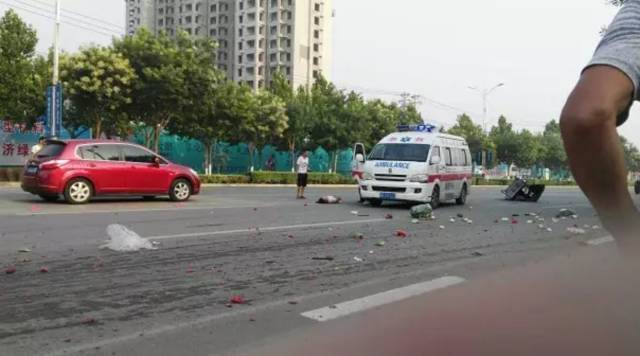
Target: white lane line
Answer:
pixel 263 229
pixel 375 300
pixel 600 241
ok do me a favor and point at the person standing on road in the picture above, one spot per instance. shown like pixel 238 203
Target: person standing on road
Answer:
pixel 302 167
pixel 38 147
pixel 599 103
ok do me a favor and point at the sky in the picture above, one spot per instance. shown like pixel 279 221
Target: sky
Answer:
pixel 435 49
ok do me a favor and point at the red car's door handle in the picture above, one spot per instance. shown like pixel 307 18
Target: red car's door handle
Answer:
pixel 92 165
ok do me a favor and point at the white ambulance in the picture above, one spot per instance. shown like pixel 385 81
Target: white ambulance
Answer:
pixel 415 164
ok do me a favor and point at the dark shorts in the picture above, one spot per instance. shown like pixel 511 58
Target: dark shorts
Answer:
pixel 302 179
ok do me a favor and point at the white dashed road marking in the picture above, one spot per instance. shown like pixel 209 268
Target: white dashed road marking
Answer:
pixel 375 300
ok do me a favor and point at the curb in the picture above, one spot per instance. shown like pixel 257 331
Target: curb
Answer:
pixel 216 185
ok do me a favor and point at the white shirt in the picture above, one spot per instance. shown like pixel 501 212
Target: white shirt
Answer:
pixel 303 165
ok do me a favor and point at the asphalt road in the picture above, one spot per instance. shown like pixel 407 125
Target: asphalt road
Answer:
pixel 258 243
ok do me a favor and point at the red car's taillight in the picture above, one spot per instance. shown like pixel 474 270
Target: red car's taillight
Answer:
pixel 49 165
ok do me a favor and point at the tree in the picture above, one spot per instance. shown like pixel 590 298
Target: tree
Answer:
pixel 529 149
pixel 260 117
pixel 164 66
pixel 506 141
pixel 553 153
pixel 98 83
pixel 631 155
pixel 298 111
pixel 473 133
pixel 22 77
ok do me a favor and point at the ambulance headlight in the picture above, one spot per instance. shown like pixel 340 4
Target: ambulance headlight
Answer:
pixel 367 176
pixel 419 178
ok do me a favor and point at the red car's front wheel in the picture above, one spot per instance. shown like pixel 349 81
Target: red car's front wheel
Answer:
pixel 180 190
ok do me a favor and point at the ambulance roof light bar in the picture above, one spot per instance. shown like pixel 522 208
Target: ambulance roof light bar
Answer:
pixel 417 128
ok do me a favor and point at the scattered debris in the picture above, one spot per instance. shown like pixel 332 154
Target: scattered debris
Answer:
pixel 125 240
pixel 595 227
pixel 371 252
pixel 515 215
pixel 44 270
pixel 89 320
pixel 467 220
pixel 529 221
pixel 452 220
pixel 354 212
pixel 363 214
pixel 333 307
pixel 357 236
pixel 326 258
pixel 388 216
pixel 293 302
pixel 576 231
pixel 358 259
pixel 329 199
pixel 415 221
pixel 555 220
pixel 514 221
pixel 442 227
pixel 477 253
pixel 549 229
pixel 422 211
pixel 380 243
pixel 10 270
pixel 237 299
pixel 520 190
pixel 290 236
pixel 24 250
pixel 505 219
pixel 541 226
pixel 252 319
pixel 401 234
pixel 565 213
pixel 460 215
pixel 67 340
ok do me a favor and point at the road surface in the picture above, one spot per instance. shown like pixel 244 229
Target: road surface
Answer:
pixel 286 258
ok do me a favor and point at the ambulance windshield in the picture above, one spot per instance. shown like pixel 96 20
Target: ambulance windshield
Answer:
pixel 400 152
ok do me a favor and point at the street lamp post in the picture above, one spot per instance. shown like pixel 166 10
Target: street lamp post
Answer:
pixel 55 92
pixel 485 94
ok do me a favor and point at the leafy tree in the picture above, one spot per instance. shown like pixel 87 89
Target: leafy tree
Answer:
pixel 529 148
pixel 98 83
pixel 631 155
pixel 553 153
pixel 298 111
pixel 506 141
pixel 473 133
pixel 165 68
pixel 22 77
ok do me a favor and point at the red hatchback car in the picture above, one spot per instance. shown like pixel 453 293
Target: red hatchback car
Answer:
pixel 81 169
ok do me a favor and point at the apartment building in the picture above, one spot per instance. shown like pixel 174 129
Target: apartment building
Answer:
pixel 255 38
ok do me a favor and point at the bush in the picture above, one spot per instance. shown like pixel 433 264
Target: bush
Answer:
pixel 291 178
pixel 10 174
pixel 224 179
pixel 506 182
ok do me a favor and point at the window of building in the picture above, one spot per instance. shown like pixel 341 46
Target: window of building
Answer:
pixel 261 70
pixel 161 11
pixel 287 70
pixel 251 4
pixel 213 8
pixel 188 30
pixel 316 7
pixel 288 43
pixel 315 74
pixel 251 30
pixel 240 5
pixel 188 7
pixel 316 61
pixel 289 15
pixel 261 30
pixel 240 72
pixel 250 83
pixel 250 58
pixel 261 44
pixel 160 22
pixel 316 20
pixel 251 44
pixel 240 32
pixel 288 28
pixel 198 19
pixel 316 47
pixel 240 45
pixel 261 57
pixel 250 71
pixel 316 34
pixel 198 7
pixel 274 3
pixel 240 19
pixel 274 30
pixel 290 2
pixel 213 32
pixel 273 57
pixel 251 16
pixel 261 16
pixel 274 16
pixel 187 19
pixel 197 31
pixel 273 44
pixel 213 21
pixel 289 57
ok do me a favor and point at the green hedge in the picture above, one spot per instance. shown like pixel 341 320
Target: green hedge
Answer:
pixel 224 179
pixel 290 178
pixel 505 182
pixel 10 174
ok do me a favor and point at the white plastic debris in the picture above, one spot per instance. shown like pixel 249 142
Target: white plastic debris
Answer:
pixel 555 220
pixel 354 212
pixel 541 226
pixel 452 220
pixel 549 229
pixel 124 240
pixel 529 221
pixel 505 219
pixel 576 231
pixel 358 259
pixel 441 227
pixel 595 227
pixel 415 221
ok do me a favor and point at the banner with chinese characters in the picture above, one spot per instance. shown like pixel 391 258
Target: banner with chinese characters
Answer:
pixel 16 141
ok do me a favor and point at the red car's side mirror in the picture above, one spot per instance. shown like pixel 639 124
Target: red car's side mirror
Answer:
pixel 156 161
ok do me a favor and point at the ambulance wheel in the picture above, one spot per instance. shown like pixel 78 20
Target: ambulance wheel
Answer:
pixel 435 197
pixel 375 202
pixel 462 200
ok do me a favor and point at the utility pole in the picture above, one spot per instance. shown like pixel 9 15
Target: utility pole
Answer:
pixel 55 92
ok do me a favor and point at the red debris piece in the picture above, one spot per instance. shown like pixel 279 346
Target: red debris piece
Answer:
pixel 10 270
pixel 401 234
pixel 514 221
pixel 89 320
pixel 293 302
pixel 229 305
pixel 237 299
pixel 252 319
pixel 35 208
pixel 44 270
pixel 388 216
pixel 290 236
